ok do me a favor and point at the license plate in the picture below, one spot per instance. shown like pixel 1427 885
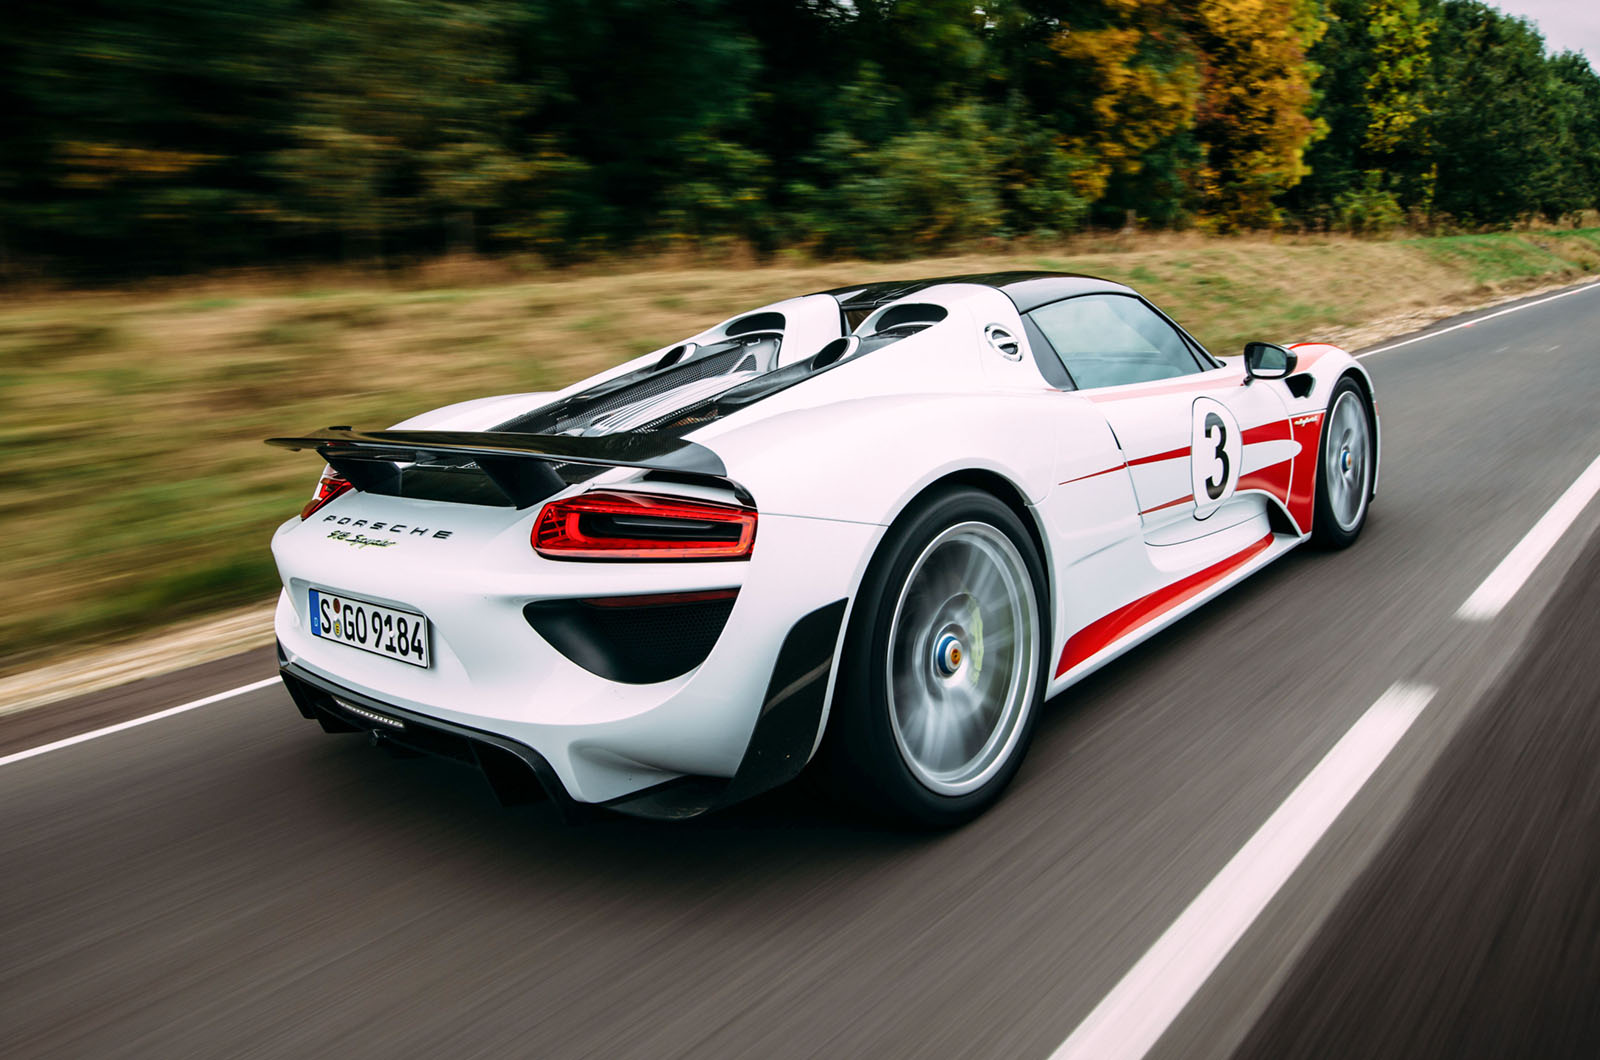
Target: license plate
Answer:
pixel 386 631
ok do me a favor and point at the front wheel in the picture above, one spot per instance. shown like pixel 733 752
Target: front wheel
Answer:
pixel 944 667
pixel 1344 474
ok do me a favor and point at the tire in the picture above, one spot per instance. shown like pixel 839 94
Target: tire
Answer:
pixel 944 665
pixel 1346 464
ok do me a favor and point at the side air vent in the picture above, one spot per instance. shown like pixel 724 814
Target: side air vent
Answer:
pixel 755 322
pixel 1003 342
pixel 912 316
pixel 835 351
pixel 676 354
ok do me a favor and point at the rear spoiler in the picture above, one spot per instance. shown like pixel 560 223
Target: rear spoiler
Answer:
pixel 523 466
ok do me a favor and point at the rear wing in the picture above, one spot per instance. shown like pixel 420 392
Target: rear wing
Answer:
pixel 521 466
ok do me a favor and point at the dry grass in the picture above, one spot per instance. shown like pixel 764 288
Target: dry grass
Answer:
pixel 135 490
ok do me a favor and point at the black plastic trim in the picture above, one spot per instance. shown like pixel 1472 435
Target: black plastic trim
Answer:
pixel 1301 385
pixel 524 482
pixel 519 464
pixel 784 733
pixel 606 450
pixel 634 640
pixel 1045 357
pixel 497 757
pixel 791 711
pixel 1027 290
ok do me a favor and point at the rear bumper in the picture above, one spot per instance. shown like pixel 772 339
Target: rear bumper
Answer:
pixel 498 664
pixel 518 774
pixel 780 744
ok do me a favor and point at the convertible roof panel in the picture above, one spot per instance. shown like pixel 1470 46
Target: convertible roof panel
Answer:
pixel 1028 290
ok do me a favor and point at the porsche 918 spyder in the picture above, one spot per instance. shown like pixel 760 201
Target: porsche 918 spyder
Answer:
pixel 876 527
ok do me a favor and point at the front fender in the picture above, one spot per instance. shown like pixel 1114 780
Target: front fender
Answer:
pixel 1327 364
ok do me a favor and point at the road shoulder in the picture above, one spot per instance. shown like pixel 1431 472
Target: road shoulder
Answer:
pixel 95 709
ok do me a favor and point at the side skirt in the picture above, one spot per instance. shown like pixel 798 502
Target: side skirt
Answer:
pixel 1109 637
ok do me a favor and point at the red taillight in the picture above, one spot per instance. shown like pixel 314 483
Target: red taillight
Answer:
pixel 607 525
pixel 329 488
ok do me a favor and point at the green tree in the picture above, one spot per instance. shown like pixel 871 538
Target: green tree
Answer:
pixel 653 98
pixel 402 109
pixel 1376 68
pixel 1493 127
pixel 888 188
pixel 136 132
pixel 1571 181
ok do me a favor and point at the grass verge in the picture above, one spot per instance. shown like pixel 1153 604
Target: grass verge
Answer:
pixel 135 492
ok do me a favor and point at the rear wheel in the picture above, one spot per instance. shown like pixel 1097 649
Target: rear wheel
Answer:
pixel 1344 474
pixel 944 665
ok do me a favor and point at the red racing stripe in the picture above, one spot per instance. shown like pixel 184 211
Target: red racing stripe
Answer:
pixel 1156 458
pixel 1170 504
pixel 1103 632
pixel 1092 474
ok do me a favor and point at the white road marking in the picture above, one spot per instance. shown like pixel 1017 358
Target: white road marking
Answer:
pixel 1139 1009
pixel 121 725
pixel 1502 584
pixel 1478 320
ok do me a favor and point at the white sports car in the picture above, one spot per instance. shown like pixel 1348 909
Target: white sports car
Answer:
pixel 877 526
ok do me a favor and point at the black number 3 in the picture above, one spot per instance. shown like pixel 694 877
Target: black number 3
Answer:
pixel 1214 489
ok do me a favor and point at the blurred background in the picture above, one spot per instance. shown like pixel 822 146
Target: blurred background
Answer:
pixel 179 135
pixel 223 221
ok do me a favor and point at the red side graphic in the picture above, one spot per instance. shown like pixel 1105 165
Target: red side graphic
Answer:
pixel 1303 481
pixel 1273 479
pixel 1271 431
pixel 1103 632
pixel 1156 458
pixel 1094 474
pixel 1185 499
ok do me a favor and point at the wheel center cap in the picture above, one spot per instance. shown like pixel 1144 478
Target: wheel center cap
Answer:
pixel 1344 460
pixel 947 655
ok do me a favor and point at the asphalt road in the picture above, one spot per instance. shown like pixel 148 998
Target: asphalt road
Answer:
pixel 1476 930
pixel 230 881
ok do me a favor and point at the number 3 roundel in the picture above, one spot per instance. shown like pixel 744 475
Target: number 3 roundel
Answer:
pixel 1214 456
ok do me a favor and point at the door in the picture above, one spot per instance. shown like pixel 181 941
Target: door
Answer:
pixel 1191 432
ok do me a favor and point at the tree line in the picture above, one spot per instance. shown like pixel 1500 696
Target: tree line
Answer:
pixel 176 135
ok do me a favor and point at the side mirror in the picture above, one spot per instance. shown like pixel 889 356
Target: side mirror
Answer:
pixel 1263 360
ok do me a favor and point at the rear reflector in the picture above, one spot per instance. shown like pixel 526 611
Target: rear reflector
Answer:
pixel 330 487
pixel 648 526
pixel 703 596
pixel 369 715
